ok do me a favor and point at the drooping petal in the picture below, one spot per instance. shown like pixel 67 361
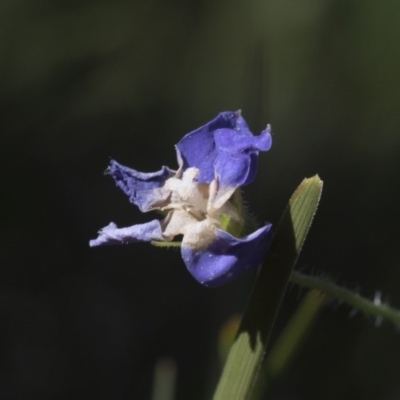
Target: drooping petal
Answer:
pixel 237 159
pixel 230 169
pixel 143 189
pixel 236 162
pixel 197 149
pixel 111 234
pixel 227 257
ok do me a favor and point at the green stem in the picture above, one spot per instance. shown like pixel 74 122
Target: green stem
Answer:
pixel 371 307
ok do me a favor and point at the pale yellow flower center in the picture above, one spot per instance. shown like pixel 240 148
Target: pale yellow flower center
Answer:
pixel 192 210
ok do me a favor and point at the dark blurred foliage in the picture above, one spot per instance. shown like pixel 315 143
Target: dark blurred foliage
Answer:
pixel 85 81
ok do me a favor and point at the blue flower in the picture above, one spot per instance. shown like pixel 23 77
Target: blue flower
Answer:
pixel 201 201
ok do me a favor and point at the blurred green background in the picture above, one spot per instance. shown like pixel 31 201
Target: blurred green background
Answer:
pixel 83 81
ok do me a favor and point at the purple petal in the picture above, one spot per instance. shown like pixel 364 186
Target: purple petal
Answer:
pixel 197 148
pixel 237 159
pixel 111 234
pixel 226 148
pixel 228 257
pixel 144 189
pixel 242 140
pixel 232 169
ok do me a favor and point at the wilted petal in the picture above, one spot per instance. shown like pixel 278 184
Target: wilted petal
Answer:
pixel 236 162
pixel 227 257
pixel 230 169
pixel 143 189
pixel 242 140
pixel 224 149
pixel 111 234
pixel 197 149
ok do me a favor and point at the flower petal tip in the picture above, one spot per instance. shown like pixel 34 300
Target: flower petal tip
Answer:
pixel 143 189
pixel 111 234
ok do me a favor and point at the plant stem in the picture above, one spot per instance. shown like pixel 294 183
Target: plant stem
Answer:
pixel 370 307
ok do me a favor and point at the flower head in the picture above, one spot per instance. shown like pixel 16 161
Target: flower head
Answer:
pixel 201 200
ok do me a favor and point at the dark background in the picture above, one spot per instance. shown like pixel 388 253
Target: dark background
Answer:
pixel 83 81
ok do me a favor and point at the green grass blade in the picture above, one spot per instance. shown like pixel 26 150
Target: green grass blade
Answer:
pixel 245 356
pixel 290 341
pixel 164 379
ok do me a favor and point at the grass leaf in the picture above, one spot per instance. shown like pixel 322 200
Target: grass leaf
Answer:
pixel 245 357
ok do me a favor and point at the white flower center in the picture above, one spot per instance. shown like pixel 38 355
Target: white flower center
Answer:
pixel 191 210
